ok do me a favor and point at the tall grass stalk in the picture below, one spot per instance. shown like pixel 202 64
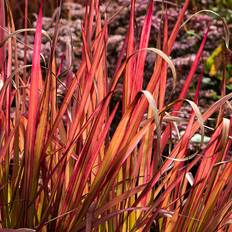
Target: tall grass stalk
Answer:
pixel 82 163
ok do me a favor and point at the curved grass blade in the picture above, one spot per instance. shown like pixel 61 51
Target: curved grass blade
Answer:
pixel 211 12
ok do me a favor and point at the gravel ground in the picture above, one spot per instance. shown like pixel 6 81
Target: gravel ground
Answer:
pixel 70 31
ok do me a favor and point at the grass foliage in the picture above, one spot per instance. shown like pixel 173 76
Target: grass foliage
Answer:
pixel 82 162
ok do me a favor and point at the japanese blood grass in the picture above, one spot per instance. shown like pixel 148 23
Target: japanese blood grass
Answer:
pixel 64 168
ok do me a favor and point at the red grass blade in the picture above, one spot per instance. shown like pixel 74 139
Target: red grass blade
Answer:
pixel 144 39
pixel 32 117
pixel 129 72
pixel 2 37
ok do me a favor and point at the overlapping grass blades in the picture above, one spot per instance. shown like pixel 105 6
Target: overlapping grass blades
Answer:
pixel 66 164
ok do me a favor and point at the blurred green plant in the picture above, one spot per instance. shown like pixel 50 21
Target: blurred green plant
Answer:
pixel 214 66
pixel 224 3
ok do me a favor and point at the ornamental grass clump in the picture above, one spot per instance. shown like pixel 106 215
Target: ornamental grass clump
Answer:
pixel 102 157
